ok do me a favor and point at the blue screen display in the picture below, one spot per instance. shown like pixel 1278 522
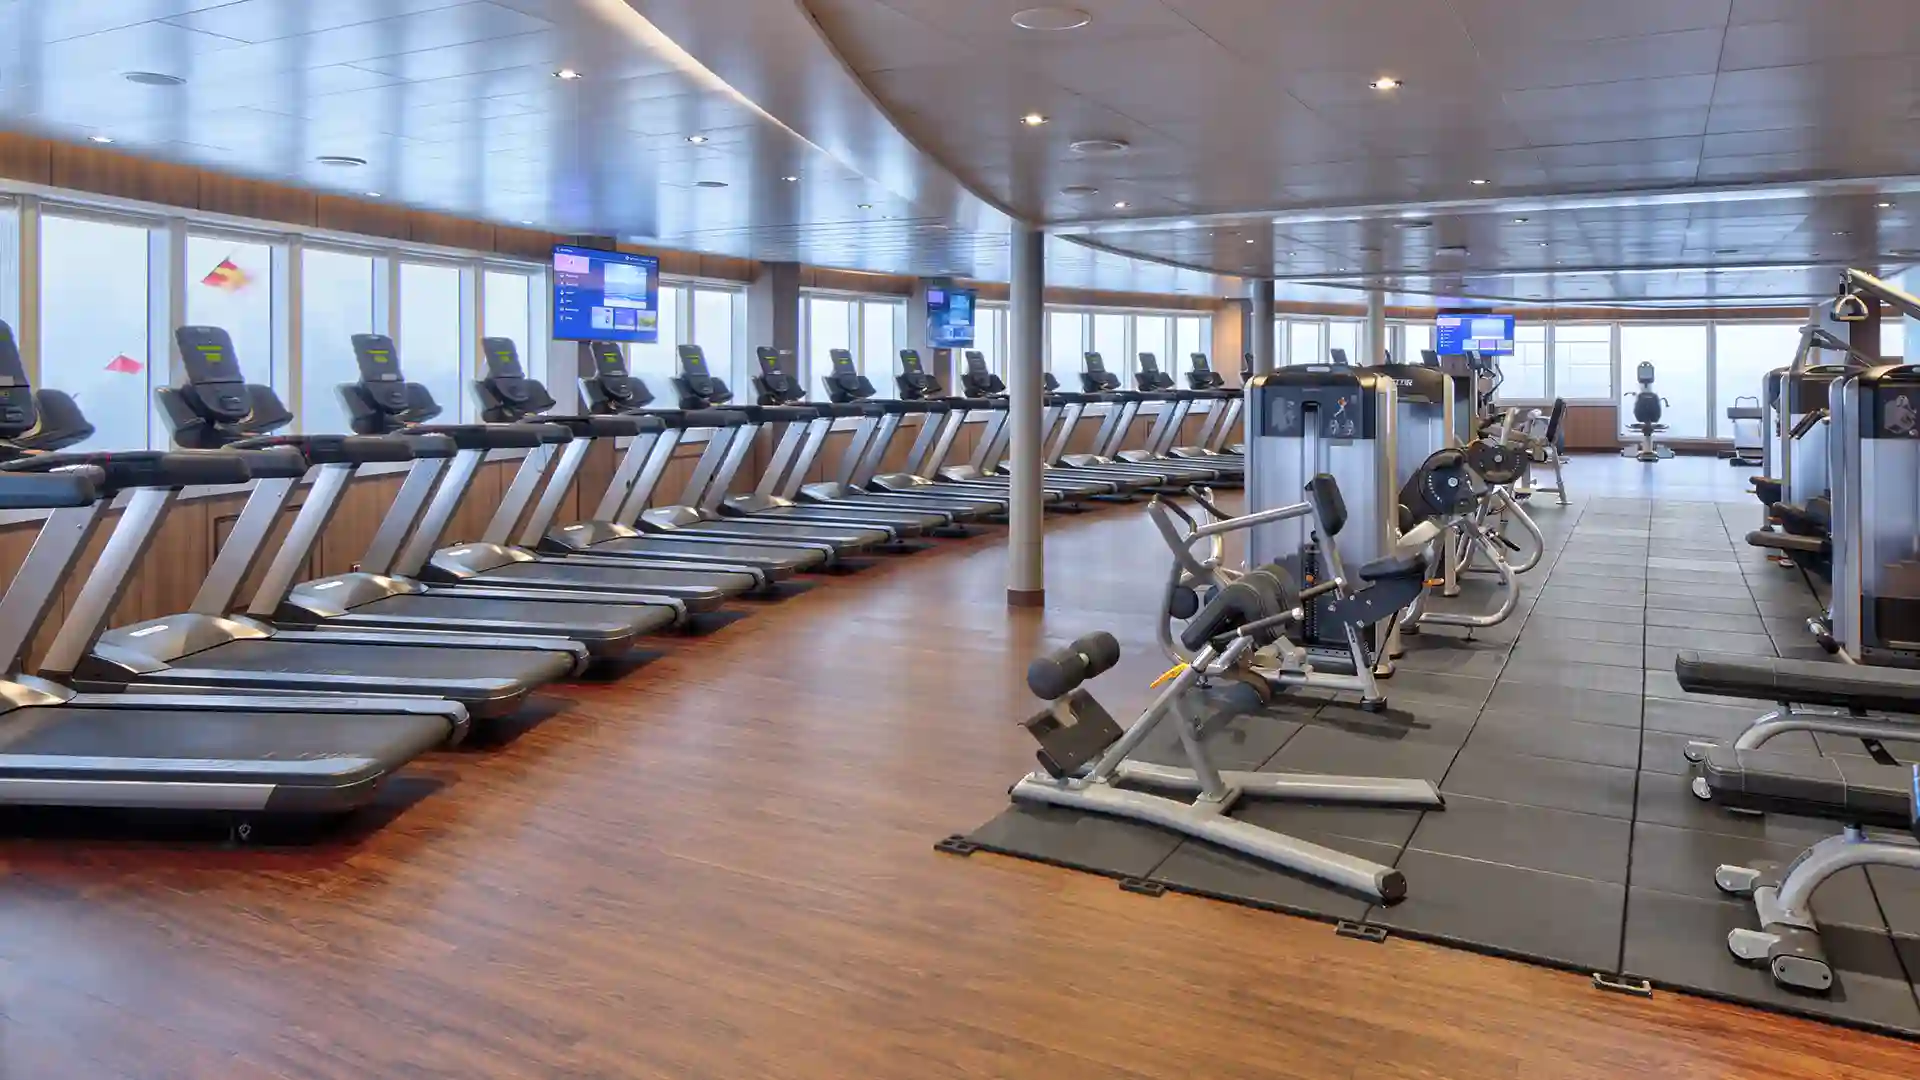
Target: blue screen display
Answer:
pixel 949 318
pixel 605 295
pixel 1487 335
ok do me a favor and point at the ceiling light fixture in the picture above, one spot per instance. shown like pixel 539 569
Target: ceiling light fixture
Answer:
pixel 1249 241
pixel 1841 232
pixel 153 78
pixel 1543 243
pixel 1079 190
pixel 341 161
pixel 710 183
pixel 866 206
pixel 1386 82
pixel 1884 205
pixel 1520 221
pixel 791 179
pixel 1051 18
pixel 568 74
pixel 1100 147
pixel 526 221
pixel 373 195
pixel 1033 119
pixel 1479 182
pixel 1121 205
pixel 697 140
pixel 101 139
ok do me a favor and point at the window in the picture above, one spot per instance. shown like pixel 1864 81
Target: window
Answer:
pixel 1415 338
pixel 336 302
pixel 1678 353
pixel 1153 334
pixel 879 343
pixel 989 339
pixel 1582 362
pixel 94 325
pixel 1190 336
pixel 507 311
pixel 1743 353
pixel 656 362
pixel 1304 345
pixel 1110 341
pixel 1342 334
pixel 712 330
pixel 10 262
pixel 230 285
pixel 1066 346
pixel 430 346
pixel 1893 339
pixel 829 327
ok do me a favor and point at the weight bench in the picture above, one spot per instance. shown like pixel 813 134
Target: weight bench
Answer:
pixel 1858 792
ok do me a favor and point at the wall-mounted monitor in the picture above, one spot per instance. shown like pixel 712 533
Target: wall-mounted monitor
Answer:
pixel 950 318
pixel 605 295
pixel 1471 332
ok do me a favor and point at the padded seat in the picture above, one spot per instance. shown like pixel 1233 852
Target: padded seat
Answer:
pixel 1801 682
pixel 1852 789
pixel 1780 541
pixel 1394 566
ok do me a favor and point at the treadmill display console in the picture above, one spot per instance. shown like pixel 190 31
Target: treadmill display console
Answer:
pixel 1149 364
pixel 377 359
pixel 503 358
pixel 1095 365
pixel 693 362
pixel 16 396
pixel 910 361
pixel 607 359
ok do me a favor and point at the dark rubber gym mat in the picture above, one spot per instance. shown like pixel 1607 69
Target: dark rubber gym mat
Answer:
pixel 1102 845
pixel 1326 750
pixel 1239 742
pixel 1551 653
pixel 1663 684
pixel 1682 861
pixel 1726 602
pixel 1552 607
pixel 1706 620
pixel 1681 942
pixel 1491 907
pixel 1664 753
pixel 1898 891
pixel 1576 676
pixel 1538 781
pixel 1551 737
pixel 1202 868
pixel 1696 720
pixel 1478 659
pixel 1711 641
pixel 1434 688
pixel 1624 595
pixel 1543 628
pixel 1530 837
pixel 1669 800
pixel 1436 725
pixel 1553 702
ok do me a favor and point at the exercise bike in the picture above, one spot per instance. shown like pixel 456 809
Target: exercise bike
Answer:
pixel 1647 410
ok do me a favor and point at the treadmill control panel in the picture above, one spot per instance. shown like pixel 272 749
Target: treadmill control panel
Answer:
pixel 17 414
pixel 607 359
pixel 693 362
pixel 910 361
pixel 380 372
pixel 1149 364
pixel 503 358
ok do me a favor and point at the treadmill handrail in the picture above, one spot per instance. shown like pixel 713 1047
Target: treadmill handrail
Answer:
pixel 119 470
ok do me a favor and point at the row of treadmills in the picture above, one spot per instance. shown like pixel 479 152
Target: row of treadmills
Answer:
pixel 304 696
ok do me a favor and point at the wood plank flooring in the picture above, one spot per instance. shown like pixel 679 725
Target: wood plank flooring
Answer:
pixel 722 866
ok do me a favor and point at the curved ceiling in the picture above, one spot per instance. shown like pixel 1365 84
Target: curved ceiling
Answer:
pixel 1257 144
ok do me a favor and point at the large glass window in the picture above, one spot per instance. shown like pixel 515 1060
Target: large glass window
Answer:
pixel 1154 334
pixel 507 311
pixel 336 302
pixel 1582 362
pixel 430 348
pixel 1678 353
pixel 1743 353
pixel 1345 335
pixel 1110 341
pixel 989 339
pixel 94 322
pixel 656 362
pixel 230 285
pixel 1189 337
pixel 1066 346
pixel 1304 345
pixel 1893 339
pixel 879 344
pixel 712 329
pixel 829 327
pixel 1524 374
pixel 1415 338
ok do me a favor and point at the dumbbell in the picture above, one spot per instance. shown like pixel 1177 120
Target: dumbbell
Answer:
pixel 1059 672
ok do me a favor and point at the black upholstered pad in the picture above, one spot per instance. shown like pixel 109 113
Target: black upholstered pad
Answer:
pixel 1393 564
pixel 1779 541
pixel 1855 789
pixel 1802 682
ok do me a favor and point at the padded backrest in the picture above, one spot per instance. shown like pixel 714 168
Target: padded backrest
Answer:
pixel 1646 407
pixel 914 375
pixel 1554 420
pixel 1324 492
pixel 1256 596
pixel 18 413
pixel 507 380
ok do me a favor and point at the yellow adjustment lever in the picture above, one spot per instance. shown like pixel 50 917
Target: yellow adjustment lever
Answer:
pixel 1171 673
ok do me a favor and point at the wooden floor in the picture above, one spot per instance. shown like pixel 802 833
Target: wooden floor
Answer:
pixel 722 866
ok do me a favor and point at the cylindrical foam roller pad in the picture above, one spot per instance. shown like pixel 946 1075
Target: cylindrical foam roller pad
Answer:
pixel 1058 672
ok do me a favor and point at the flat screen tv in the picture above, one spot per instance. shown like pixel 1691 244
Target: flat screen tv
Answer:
pixel 950 318
pixel 605 295
pixel 1473 332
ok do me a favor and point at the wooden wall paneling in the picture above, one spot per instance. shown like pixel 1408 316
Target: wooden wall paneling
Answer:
pixel 244 197
pixel 358 516
pixel 678 263
pixel 106 172
pixel 15 541
pixel 728 268
pixel 25 158
pixel 366 218
pixel 445 230
pixel 1592 427
pixel 524 243
pixel 1229 342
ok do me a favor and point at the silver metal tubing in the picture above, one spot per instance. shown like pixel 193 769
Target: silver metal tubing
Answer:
pixel 519 493
pixel 402 516
pixel 446 499
pixel 560 481
pixel 292 560
pixel 139 523
pixel 659 455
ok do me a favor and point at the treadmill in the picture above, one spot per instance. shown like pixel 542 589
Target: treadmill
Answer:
pixel 990 455
pixel 1149 379
pixel 1225 417
pixel 216 407
pixel 927 457
pixel 879 423
pixel 611 390
pixel 407 542
pixel 225 752
pixel 1057 425
pixel 1112 435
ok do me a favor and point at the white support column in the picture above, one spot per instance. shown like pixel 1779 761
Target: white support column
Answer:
pixel 1260 325
pixel 1026 320
pixel 1374 348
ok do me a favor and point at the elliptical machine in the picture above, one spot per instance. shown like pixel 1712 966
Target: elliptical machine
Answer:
pixel 1647 406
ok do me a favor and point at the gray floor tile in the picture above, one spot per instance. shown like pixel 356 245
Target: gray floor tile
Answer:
pixel 1669 800
pixel 1214 871
pixel 1325 750
pixel 1528 701
pixel 1529 837
pixel 1564 920
pixel 1725 604
pixel 1705 620
pixel 1479 659
pixel 1094 842
pixel 1711 640
pixel 1575 676
pixel 1550 737
pixel 1534 652
pixel 1548 782
pixel 1542 626
pixel 1698 721
pixel 1588 611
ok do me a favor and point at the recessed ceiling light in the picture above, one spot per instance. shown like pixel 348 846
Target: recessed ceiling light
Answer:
pixel 1726 251
pixel 1079 190
pixel 1543 243
pixel 1051 18
pixel 101 139
pixel 1413 224
pixel 1099 147
pixel 1520 221
pixel 939 225
pixel 1478 182
pixel 526 221
pixel 791 179
pixel 1033 119
pixel 1884 205
pixel 866 206
pixel 373 195
pixel 1250 241
pixel 568 73
pixel 697 140
pixel 1121 205
pixel 710 183
pixel 1841 232
pixel 341 161
pixel 1386 82
pixel 153 78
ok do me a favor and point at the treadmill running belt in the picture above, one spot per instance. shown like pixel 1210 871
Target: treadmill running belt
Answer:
pixel 551 620
pixel 632 578
pixel 783 558
pixel 500 669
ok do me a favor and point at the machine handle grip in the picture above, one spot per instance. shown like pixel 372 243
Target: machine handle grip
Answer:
pixel 1059 672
